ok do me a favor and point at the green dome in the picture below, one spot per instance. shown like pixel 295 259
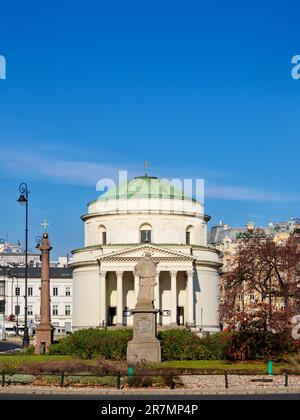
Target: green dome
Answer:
pixel 145 187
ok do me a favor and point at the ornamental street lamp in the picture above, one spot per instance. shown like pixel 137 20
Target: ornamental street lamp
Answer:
pixel 23 200
pixel 252 233
pixel 16 278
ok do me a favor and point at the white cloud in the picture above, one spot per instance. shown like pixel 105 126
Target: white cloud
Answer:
pixel 227 192
pixel 44 167
pixel 49 168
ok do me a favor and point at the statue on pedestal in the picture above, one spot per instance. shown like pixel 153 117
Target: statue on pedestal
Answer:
pixel 146 270
pixel 145 347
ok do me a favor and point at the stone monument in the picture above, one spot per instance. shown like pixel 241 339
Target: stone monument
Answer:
pixel 145 347
pixel 45 330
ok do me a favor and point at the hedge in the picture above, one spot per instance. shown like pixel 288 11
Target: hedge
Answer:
pixel 177 344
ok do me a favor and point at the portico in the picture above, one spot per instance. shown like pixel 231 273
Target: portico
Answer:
pixel 173 292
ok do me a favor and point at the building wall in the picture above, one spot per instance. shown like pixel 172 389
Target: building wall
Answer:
pixel 86 297
pixel 166 229
pixel 206 286
pixel 61 300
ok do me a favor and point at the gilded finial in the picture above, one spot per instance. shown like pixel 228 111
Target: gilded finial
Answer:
pixel 45 224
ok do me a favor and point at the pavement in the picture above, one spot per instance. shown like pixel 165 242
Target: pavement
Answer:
pixel 35 392
pixel 7 346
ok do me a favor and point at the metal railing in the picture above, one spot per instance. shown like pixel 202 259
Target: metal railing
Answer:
pixel 135 379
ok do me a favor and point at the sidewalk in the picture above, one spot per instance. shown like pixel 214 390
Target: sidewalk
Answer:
pixel 35 390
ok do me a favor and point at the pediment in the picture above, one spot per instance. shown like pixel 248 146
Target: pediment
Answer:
pixel 158 253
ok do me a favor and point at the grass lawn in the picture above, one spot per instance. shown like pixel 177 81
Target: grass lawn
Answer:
pixel 213 366
pixel 223 365
pixel 21 358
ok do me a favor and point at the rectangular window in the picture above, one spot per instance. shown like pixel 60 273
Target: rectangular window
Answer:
pixel 55 291
pixel 17 310
pixel 68 291
pixel 103 238
pixel 55 310
pixel 145 236
pixel 68 310
pixel 30 291
pixel 17 291
pixel 30 310
pixel 2 306
pixel 252 297
pixel 2 288
pixel 188 238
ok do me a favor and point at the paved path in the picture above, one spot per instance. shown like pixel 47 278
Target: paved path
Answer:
pixel 182 397
pixel 34 392
pixel 7 346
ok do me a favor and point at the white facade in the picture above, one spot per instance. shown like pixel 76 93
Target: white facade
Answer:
pixel 118 229
pixel 12 292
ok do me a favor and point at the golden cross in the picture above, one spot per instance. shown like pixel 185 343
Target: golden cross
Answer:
pixel 45 224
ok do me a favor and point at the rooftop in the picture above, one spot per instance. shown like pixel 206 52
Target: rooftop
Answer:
pixel 145 187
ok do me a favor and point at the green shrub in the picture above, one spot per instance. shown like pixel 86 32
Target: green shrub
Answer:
pixel 177 344
pixel 109 381
pixel 184 345
pixel 20 379
pixel 91 343
pixel 217 344
pixel 29 351
pixel 9 367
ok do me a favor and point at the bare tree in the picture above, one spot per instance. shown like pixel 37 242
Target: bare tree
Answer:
pixel 269 271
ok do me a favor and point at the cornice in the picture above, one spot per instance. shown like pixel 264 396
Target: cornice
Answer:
pixel 213 264
pixel 202 216
pixel 162 246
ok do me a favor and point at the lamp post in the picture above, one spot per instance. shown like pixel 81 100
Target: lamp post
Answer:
pixel 16 277
pixel 23 199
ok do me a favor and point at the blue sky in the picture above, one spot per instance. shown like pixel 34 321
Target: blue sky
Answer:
pixel 200 89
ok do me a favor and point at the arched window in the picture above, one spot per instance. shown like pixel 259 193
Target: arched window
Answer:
pixel 145 233
pixel 188 235
pixel 102 235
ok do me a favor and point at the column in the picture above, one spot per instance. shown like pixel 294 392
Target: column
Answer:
pixel 45 330
pixel 190 298
pixel 173 298
pixel 136 287
pixel 156 292
pixel 120 306
pixel 103 305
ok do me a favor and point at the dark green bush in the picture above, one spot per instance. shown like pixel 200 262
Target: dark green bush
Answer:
pixel 29 351
pixel 91 343
pixel 185 345
pixel 217 344
pixel 177 344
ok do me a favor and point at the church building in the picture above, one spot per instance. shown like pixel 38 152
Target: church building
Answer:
pixel 146 214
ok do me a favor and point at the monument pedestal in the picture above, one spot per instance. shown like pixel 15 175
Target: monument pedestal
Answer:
pixel 44 338
pixel 144 347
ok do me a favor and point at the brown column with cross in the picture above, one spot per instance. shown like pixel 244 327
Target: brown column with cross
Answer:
pixel 44 330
